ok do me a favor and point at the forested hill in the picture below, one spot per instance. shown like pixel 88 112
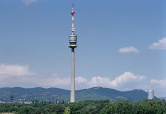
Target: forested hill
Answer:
pixel 56 94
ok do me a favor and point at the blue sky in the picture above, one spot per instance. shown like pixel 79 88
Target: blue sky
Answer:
pixel 121 44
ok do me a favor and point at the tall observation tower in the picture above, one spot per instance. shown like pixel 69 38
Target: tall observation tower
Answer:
pixel 72 45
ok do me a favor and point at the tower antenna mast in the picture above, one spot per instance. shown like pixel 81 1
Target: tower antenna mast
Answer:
pixel 72 45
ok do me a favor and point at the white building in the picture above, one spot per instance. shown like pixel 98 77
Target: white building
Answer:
pixel 150 94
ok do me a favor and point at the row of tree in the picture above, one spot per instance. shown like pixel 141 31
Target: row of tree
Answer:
pixel 155 106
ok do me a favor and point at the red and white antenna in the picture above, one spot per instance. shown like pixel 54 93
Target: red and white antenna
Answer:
pixel 72 13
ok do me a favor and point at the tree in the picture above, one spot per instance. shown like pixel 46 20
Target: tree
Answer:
pixel 26 110
pixel 67 110
pixel 11 98
pixel 120 107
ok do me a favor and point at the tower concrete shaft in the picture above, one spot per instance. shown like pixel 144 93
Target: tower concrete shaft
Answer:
pixel 72 45
pixel 72 94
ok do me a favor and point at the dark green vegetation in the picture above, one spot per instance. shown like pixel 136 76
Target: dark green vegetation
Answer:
pixel 55 94
pixel 155 106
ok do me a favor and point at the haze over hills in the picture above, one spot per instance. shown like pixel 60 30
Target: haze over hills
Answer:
pixel 56 94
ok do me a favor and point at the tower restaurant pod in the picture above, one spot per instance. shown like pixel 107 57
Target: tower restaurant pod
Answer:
pixel 72 41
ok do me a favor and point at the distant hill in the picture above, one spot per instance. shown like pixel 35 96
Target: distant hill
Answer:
pixel 162 98
pixel 53 94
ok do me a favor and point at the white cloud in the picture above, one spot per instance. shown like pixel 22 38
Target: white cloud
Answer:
pixel 129 50
pixel 80 80
pixel 51 81
pixel 159 87
pixel 27 2
pixel 57 81
pixel 161 83
pixel 99 81
pixel 117 82
pixel 17 75
pixel 20 76
pixel 13 71
pixel 161 45
pixel 126 77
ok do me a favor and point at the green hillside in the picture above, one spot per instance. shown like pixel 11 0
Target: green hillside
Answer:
pixel 99 93
pixel 56 94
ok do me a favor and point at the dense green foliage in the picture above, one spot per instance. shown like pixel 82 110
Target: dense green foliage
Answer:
pixel 54 94
pixel 155 106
